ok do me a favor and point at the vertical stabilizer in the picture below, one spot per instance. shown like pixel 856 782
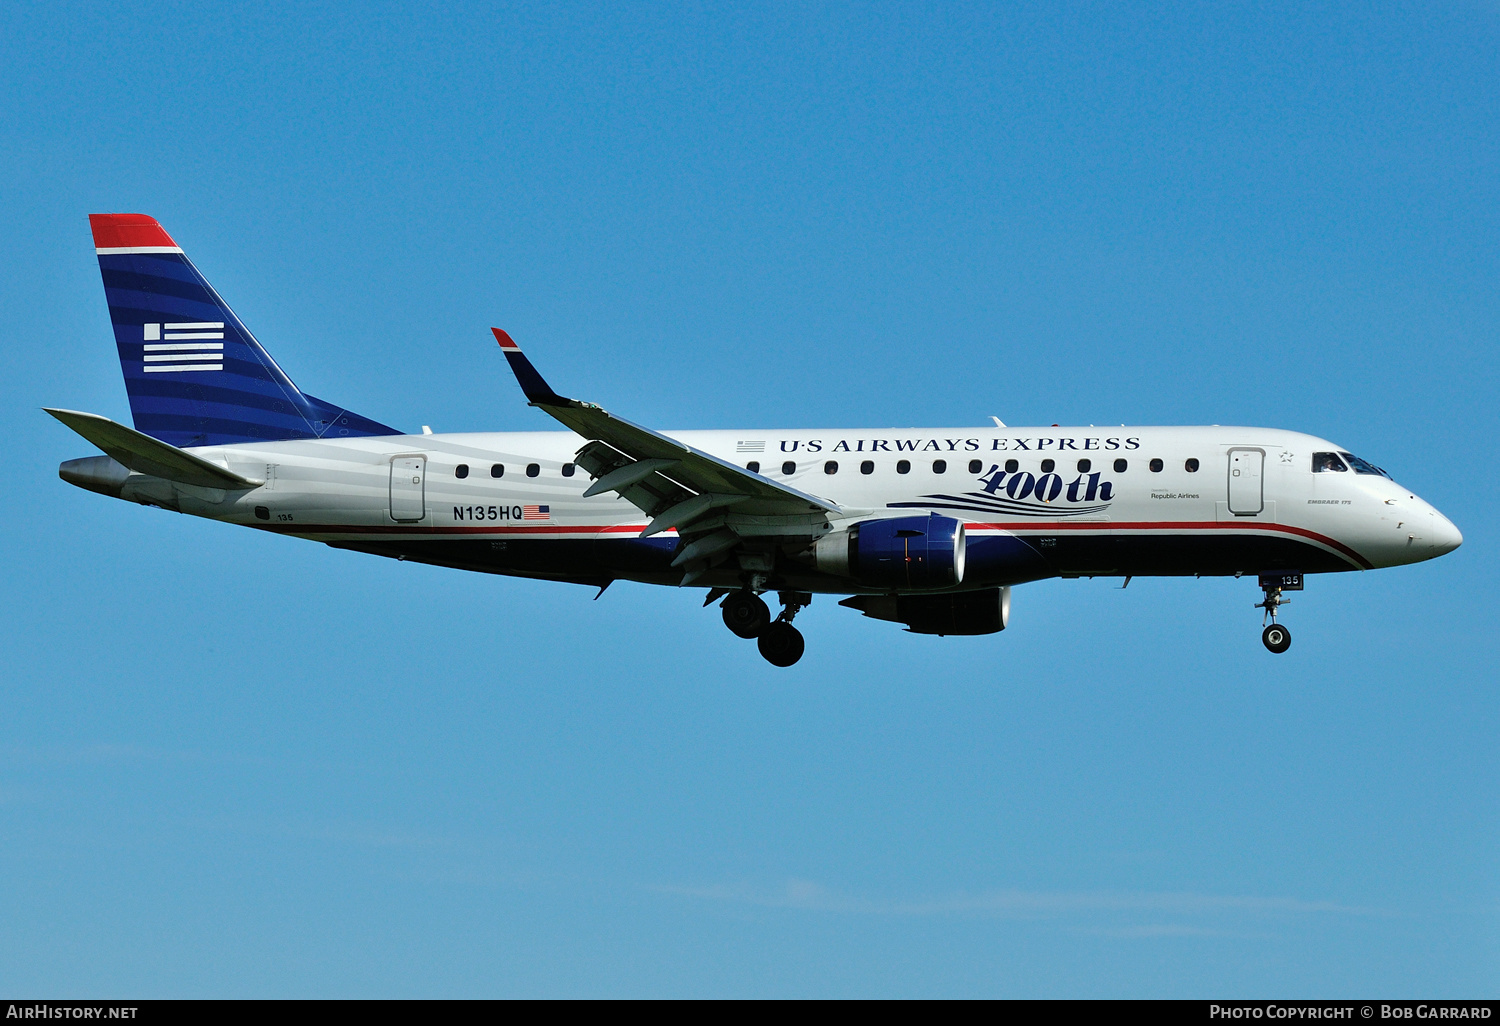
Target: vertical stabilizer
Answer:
pixel 194 373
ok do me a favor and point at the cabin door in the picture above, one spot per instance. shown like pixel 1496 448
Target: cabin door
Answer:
pixel 1246 496
pixel 408 488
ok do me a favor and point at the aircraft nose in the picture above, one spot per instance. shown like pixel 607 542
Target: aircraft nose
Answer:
pixel 1445 537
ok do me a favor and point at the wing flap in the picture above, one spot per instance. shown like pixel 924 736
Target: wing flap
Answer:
pixel 647 491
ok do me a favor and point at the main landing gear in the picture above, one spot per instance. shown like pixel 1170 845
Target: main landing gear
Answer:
pixel 1276 637
pixel 746 614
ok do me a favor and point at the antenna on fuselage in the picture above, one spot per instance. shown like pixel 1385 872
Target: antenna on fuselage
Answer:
pixel 997 420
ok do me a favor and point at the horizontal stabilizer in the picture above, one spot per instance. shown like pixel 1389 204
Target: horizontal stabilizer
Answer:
pixel 148 455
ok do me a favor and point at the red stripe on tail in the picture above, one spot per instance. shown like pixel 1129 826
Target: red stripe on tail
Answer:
pixel 127 231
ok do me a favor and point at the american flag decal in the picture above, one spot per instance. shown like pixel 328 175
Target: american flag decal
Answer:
pixel 536 512
pixel 750 446
pixel 185 346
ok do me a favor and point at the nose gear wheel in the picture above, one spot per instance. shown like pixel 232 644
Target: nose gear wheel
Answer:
pixel 1277 638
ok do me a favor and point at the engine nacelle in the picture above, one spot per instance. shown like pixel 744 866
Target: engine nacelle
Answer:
pixel 901 553
pixel 963 612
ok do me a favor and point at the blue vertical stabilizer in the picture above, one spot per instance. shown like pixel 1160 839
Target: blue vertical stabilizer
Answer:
pixel 194 373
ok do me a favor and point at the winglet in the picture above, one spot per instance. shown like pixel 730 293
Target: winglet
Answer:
pixel 538 392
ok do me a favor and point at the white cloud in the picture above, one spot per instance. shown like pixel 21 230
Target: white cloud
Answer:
pixel 809 895
pixel 1152 930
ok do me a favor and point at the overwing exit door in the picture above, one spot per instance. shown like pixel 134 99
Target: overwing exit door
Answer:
pixel 1246 470
pixel 408 488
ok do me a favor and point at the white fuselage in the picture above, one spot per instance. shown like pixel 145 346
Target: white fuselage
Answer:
pixel 1252 505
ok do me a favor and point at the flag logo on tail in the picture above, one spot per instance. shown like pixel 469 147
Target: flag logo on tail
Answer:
pixel 183 346
pixel 536 512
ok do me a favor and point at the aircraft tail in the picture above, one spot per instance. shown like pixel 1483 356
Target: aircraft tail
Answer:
pixel 195 374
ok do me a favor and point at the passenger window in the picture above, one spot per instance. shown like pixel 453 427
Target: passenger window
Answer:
pixel 568 469
pixel 1048 466
pixel 1191 465
pixel 533 469
pixel 1084 466
pixel 941 466
pixel 975 466
pixel 753 466
pixel 1156 466
pixel 1011 466
pixel 831 467
pixel 497 470
pixel 789 468
pixel 1121 466
pixel 1328 462
pixel 903 466
pixel 461 471
pixel 867 467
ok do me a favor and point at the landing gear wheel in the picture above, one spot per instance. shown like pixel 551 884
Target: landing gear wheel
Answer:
pixel 746 614
pixel 781 644
pixel 1277 638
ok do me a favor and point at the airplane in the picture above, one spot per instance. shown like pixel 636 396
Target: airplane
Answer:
pixel 928 528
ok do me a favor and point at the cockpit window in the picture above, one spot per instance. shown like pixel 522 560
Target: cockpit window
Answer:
pixel 1363 466
pixel 1328 462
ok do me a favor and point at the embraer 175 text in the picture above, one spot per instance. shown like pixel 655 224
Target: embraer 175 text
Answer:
pixel 927 528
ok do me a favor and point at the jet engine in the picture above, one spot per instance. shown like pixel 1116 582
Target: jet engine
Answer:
pixel 963 612
pixel 902 553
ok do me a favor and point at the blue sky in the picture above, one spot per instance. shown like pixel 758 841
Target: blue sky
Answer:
pixel 233 764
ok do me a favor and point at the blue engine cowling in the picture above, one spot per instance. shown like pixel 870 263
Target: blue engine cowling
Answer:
pixel 900 553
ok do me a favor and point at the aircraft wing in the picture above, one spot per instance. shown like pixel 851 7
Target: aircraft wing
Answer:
pixel 673 483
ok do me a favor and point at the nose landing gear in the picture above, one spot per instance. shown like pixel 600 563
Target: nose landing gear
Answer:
pixel 1276 637
pixel 746 614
